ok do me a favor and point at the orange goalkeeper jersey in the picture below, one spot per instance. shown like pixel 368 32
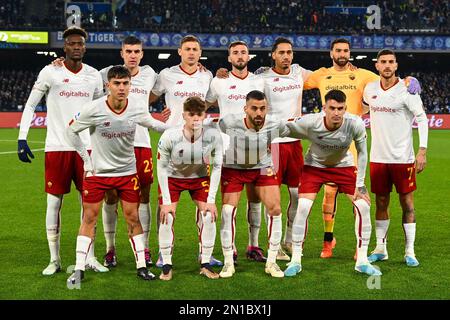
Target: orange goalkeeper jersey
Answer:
pixel 352 83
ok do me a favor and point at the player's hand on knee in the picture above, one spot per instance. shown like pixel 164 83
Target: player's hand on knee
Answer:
pixel 165 113
pixel 23 151
pixel 362 193
pixel 211 207
pixel 413 85
pixel 165 211
pixel 222 73
pixel 58 62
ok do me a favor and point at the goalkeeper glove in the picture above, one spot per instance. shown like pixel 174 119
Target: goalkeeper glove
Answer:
pixel 413 85
pixel 23 151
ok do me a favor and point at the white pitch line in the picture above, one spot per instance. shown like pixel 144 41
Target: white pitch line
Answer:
pixel 27 141
pixel 10 152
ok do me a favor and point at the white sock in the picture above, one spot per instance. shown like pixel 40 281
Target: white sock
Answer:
pixel 254 223
pixel 363 229
pixel 227 231
pixel 274 238
pixel 207 237
pixel 291 212
pixel 83 244
pixel 381 230
pixel 165 238
pixel 137 244
pixel 410 237
pixel 145 217
pixel 109 217
pixel 300 228
pixel 53 224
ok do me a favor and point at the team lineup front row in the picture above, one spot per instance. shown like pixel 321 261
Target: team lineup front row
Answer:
pixel 236 151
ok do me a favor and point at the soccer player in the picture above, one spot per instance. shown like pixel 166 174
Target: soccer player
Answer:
pixel 230 93
pixel 143 78
pixel 392 160
pixel 283 86
pixel 66 90
pixel 328 160
pixel 180 82
pixel 186 154
pixel 341 76
pixel 112 122
pixel 249 160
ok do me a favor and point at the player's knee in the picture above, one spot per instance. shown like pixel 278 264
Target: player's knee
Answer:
pixel 274 210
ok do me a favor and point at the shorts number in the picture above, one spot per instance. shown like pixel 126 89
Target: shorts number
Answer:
pixel 411 170
pixel 269 172
pixel 136 183
pixel 147 166
pixel 205 184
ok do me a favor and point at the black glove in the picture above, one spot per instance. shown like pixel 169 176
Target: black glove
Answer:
pixel 23 151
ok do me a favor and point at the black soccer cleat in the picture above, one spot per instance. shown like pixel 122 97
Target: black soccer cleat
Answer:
pixel 144 274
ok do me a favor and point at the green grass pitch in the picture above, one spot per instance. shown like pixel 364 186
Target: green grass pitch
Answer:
pixel 24 251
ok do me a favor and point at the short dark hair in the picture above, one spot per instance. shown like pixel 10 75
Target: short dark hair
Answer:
pixel 118 72
pixel 194 104
pixel 280 40
pixel 190 38
pixel 339 40
pixel 237 43
pixel 74 30
pixel 131 40
pixel 385 52
pixel 336 95
pixel 255 95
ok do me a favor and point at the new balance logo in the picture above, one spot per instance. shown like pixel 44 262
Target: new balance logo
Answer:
pixel 66 80
pixel 180 82
pixel 233 87
pixel 374 97
pixel 106 124
pixel 276 79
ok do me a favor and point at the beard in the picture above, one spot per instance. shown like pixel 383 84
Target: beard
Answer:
pixel 240 65
pixel 341 62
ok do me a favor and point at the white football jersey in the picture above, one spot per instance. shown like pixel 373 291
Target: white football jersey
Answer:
pixel 112 134
pixel 329 148
pixel 181 158
pixel 250 149
pixel 392 113
pixel 66 92
pixel 141 86
pixel 284 93
pixel 178 85
pixel 231 92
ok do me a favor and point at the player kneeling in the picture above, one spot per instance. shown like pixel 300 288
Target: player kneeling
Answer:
pixel 112 124
pixel 184 155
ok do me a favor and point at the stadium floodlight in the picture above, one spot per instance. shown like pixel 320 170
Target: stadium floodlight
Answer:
pixel 374 59
pixel 163 56
pixel 360 57
pixel 252 56
pixel 203 58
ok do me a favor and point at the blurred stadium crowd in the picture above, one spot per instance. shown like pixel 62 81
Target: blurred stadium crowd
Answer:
pixel 230 16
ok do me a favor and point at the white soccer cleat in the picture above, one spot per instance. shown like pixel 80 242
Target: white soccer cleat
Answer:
pixel 368 269
pixel 227 271
pixel 411 260
pixel 378 256
pixel 274 270
pixel 93 264
pixel 52 268
pixel 281 255
pixel 293 268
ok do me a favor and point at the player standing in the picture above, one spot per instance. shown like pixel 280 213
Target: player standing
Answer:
pixel 112 122
pixel 392 159
pixel 230 93
pixel 341 76
pixel 178 83
pixel 66 90
pixel 186 154
pixel 328 160
pixel 143 78
pixel 283 86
